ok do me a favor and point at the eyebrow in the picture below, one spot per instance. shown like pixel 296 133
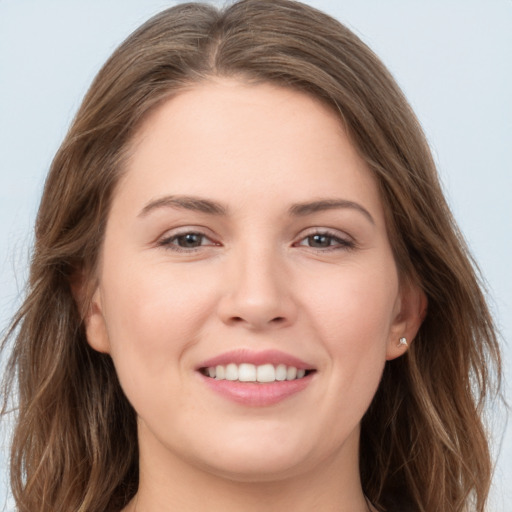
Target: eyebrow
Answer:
pixel 210 207
pixel 307 208
pixel 186 203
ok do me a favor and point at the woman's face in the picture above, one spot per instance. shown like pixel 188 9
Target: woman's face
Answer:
pixel 246 243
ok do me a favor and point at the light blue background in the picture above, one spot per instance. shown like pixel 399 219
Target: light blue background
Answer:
pixel 452 58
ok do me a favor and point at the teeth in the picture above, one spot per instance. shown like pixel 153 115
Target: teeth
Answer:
pixel 246 372
pixel 232 372
pixel 281 372
pixel 220 372
pixel 266 373
pixel 291 373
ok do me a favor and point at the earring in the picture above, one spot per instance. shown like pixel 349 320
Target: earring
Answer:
pixel 402 342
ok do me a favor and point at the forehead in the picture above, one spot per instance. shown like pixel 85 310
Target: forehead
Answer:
pixel 235 140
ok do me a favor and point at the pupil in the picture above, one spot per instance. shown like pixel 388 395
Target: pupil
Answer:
pixel 190 240
pixel 319 240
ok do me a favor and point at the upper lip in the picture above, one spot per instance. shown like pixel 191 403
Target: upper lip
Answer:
pixel 257 358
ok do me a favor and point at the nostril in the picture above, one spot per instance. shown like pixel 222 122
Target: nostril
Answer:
pixel 278 320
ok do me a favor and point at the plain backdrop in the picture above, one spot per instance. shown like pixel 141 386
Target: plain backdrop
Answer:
pixel 453 59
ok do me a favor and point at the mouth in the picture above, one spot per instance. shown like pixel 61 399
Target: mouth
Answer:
pixel 256 379
pixel 248 372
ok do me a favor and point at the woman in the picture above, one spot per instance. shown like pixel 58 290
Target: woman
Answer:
pixel 247 290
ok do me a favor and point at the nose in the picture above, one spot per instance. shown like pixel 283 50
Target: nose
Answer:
pixel 257 293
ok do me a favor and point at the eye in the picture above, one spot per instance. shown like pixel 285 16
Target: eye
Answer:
pixel 189 240
pixel 326 240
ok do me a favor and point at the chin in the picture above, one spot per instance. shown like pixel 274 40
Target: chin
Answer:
pixel 260 457
pixel 258 468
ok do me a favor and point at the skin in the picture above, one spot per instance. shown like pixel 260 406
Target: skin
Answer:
pixel 258 280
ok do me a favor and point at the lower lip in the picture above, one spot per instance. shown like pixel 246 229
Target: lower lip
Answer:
pixel 256 394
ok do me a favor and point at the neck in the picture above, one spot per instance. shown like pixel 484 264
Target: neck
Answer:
pixel 168 484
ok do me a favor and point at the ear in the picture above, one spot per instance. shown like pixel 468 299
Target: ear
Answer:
pixel 95 326
pixel 90 306
pixel 410 312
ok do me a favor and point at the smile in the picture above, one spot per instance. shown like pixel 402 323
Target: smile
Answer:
pixel 247 372
pixel 256 379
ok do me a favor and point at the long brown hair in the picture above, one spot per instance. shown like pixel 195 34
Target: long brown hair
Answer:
pixel 75 441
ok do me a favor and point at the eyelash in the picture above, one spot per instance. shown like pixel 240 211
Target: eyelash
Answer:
pixel 340 243
pixel 168 242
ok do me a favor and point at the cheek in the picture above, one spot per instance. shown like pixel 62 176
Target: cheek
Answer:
pixel 353 311
pixel 152 317
pixel 354 324
pixel 358 304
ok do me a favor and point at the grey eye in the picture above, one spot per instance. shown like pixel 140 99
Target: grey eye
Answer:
pixel 189 240
pixel 320 241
